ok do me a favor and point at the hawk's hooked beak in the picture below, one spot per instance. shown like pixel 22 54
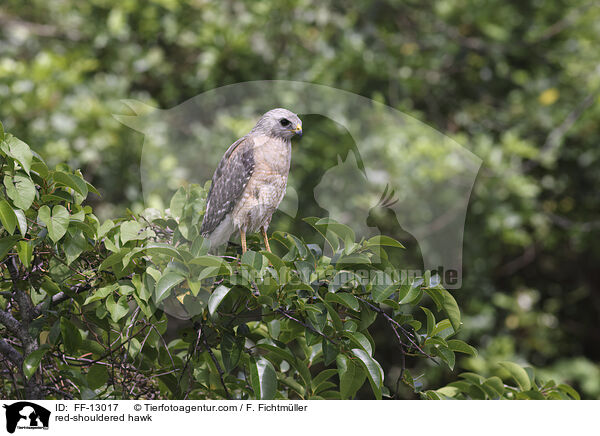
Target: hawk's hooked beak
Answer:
pixel 298 130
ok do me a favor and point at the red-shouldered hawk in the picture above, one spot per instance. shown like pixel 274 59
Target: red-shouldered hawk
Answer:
pixel 250 181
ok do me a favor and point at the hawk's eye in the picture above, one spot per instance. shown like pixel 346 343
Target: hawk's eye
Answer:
pixel 284 122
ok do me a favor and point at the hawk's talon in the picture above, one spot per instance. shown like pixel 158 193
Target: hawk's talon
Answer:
pixel 264 234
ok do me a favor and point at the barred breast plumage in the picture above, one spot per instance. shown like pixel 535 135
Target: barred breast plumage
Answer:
pixel 266 187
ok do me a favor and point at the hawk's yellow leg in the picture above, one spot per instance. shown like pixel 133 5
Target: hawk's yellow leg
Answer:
pixel 264 234
pixel 243 239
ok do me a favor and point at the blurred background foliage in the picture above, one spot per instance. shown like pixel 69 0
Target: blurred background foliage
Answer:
pixel 516 83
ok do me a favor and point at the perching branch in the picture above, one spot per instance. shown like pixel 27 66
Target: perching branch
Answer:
pixel 11 353
pixel 60 297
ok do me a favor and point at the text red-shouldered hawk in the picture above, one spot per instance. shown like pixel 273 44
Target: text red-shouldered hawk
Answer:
pixel 251 179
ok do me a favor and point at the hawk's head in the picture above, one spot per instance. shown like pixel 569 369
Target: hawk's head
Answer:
pixel 279 123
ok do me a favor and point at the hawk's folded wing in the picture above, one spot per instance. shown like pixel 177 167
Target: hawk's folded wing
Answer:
pixel 228 183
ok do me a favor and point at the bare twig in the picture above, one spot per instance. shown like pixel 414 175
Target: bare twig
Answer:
pixel 395 323
pixel 308 326
pixel 62 296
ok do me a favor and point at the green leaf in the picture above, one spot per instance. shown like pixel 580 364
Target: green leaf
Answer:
pixel 164 285
pixel 275 260
pixel 441 326
pixel 344 232
pixel 411 293
pixel 18 150
pixel 144 285
pixel 178 202
pixel 569 391
pixel 6 244
pixel 287 355
pixel 39 166
pixel 263 379
pixel 462 347
pixel 374 371
pixel 293 384
pixel 161 248
pixel 37 295
pixel 21 221
pixel 71 181
pixel 126 289
pixel 352 376
pixel 518 374
pixel 101 293
pixel 472 377
pixel 331 238
pixel 49 286
pixel 216 298
pixel 345 299
pixel 383 240
pixel 231 350
pixel 452 310
pixel 25 252
pixel 31 363
pixel 300 246
pixel 113 259
pixel 341 279
pixel 430 321
pixel 208 260
pixel 330 352
pixel 74 245
pixel 335 317
pixel 448 303
pixel 253 259
pixel 352 261
pixel 447 356
pixel 436 341
pixel 200 246
pixel 130 230
pixel 496 385
pixel 97 376
pixel 322 377
pixel 359 339
pixel 117 309
pixel 432 395
pixel 44 215
pixel 70 335
pixel 317 314
pixel 105 228
pixel 382 286
pixel 21 190
pixel 7 216
pixel 448 391
pixel 367 316
pixel 532 395
pixel 56 222
pixel 91 188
